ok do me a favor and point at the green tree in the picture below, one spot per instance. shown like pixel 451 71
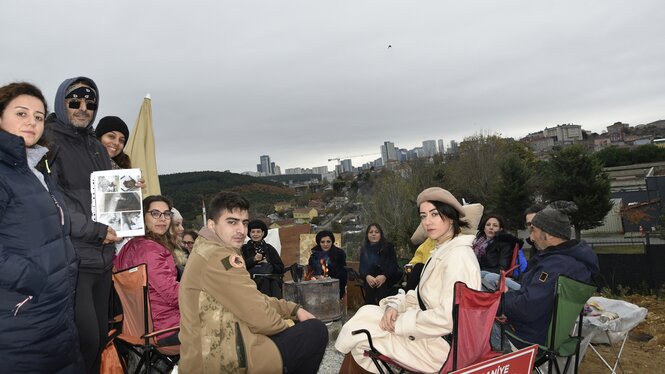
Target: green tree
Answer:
pixel 572 174
pixel 390 202
pixel 474 172
pixel 513 192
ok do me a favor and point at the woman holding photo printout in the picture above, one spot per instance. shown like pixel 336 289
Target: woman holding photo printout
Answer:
pixel 38 264
pixel 156 250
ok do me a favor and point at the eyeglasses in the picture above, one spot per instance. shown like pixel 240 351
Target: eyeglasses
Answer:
pixel 187 243
pixel 156 214
pixel 76 103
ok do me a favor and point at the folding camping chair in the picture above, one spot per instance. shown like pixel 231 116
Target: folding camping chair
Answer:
pixel 474 313
pixel 570 297
pixel 138 335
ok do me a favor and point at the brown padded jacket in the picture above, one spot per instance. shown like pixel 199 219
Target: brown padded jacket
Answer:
pixel 225 322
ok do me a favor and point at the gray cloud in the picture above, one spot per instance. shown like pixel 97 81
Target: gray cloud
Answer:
pixel 306 81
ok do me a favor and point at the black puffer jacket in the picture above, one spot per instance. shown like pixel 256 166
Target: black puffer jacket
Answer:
pixel 77 153
pixel 38 267
pixel 499 253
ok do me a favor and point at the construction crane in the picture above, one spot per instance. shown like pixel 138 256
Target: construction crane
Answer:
pixel 354 156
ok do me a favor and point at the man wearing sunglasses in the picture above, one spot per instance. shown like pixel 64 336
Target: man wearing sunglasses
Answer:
pixel 74 154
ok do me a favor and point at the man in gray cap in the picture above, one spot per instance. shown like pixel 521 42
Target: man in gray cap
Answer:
pixel 529 309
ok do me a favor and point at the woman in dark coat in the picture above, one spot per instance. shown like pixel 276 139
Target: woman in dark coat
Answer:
pixel 328 254
pixel 262 260
pixel 378 265
pixel 493 246
pixel 38 264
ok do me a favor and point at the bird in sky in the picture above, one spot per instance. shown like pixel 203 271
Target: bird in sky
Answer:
pixel 390 46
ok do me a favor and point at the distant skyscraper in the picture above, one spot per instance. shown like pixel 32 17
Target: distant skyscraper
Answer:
pixel 347 167
pixel 320 170
pixel 429 148
pixel 388 152
pixel 265 165
pixel 453 147
pixel 441 149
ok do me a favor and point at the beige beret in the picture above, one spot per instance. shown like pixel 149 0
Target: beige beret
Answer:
pixel 472 215
pixel 439 194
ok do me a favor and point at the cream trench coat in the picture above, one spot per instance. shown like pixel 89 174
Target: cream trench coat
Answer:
pixel 416 342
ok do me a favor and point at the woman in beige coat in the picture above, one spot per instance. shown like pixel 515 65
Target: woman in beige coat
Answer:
pixel 409 328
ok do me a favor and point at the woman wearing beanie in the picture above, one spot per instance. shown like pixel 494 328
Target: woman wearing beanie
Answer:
pixel 262 260
pixel 113 133
pixel 328 254
pixel 409 328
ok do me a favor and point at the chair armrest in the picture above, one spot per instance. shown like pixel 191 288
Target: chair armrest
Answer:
pixel 160 332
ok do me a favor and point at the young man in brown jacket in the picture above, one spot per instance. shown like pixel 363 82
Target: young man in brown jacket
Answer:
pixel 226 324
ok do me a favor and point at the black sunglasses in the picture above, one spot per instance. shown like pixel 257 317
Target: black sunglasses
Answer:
pixel 76 103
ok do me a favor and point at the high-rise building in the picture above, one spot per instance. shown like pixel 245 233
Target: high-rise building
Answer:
pixel 347 167
pixel 320 170
pixel 441 149
pixel 453 147
pixel 429 148
pixel 264 167
pixel 388 152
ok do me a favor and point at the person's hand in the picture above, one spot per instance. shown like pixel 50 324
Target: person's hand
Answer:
pixel 388 321
pixel 304 315
pixel 380 280
pixel 258 257
pixel 371 281
pixel 141 183
pixel 111 236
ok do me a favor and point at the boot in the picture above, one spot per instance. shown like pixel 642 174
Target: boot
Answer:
pixel 350 366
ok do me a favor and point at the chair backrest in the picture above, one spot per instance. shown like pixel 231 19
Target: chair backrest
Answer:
pixel 474 313
pixel 571 295
pixel 132 288
pixel 514 261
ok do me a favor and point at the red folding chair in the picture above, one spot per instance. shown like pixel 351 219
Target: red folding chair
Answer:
pixel 474 313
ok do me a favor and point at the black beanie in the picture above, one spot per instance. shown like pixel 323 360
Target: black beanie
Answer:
pixel 257 224
pixel 111 123
pixel 322 235
pixel 554 219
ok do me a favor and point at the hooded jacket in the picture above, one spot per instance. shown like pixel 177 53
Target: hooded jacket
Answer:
pixel 529 309
pixel 77 153
pixel 38 268
pixel 225 322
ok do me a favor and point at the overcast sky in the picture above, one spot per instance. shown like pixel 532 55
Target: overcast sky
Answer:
pixel 305 81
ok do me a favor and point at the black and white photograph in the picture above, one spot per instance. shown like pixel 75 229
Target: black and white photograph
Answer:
pixel 116 200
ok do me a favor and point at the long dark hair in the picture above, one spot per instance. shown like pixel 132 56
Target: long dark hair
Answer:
pixel 382 242
pixel 483 222
pixel 168 240
pixel 452 214
pixel 123 160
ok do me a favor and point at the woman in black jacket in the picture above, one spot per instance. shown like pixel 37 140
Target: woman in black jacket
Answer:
pixel 334 258
pixel 378 265
pixel 38 264
pixel 493 246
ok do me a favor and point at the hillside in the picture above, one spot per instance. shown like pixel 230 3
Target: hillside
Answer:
pixel 188 190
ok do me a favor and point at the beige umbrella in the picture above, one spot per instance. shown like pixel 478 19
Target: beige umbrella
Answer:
pixel 141 148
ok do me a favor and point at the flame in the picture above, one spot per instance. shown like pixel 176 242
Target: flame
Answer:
pixel 324 267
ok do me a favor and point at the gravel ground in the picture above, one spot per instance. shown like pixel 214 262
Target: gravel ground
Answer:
pixel 332 360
